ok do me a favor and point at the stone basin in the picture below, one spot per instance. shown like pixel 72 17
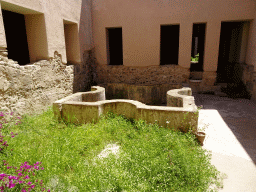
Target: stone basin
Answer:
pixel 87 107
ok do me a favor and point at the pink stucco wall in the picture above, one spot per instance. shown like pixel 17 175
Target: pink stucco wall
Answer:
pixel 53 13
pixel 251 51
pixel 141 20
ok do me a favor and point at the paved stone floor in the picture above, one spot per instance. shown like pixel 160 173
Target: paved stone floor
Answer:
pixel 231 137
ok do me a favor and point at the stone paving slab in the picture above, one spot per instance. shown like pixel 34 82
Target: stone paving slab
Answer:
pixel 240 172
pixel 219 137
pixel 231 137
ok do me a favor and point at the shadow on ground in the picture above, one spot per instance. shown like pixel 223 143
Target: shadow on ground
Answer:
pixel 239 115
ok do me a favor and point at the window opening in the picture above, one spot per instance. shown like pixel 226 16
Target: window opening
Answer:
pixel 197 49
pixel 16 37
pixel 169 44
pixel 114 46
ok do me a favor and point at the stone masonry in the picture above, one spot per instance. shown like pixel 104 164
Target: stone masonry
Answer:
pixel 249 79
pixel 32 88
pixel 151 75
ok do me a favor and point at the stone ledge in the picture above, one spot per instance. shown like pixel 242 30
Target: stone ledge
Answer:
pixel 33 87
pixel 181 98
pixel 147 94
pixel 73 109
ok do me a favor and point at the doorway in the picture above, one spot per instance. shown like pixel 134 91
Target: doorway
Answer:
pixel 169 44
pixel 229 52
pixel 232 50
pixel 115 46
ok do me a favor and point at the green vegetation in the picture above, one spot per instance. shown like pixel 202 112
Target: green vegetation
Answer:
pixel 150 158
pixel 195 58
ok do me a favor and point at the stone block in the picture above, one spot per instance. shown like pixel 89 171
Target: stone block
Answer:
pixel 30 85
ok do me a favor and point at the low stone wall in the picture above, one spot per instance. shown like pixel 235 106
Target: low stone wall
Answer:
pixel 151 75
pixel 203 81
pixel 32 88
pixel 148 94
pixel 72 109
pixel 96 94
pixel 181 98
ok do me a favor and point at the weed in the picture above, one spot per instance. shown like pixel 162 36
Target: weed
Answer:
pixel 150 158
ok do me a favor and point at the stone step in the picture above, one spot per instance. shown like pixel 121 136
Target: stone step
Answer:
pixel 221 94
pixel 223 84
pixel 185 84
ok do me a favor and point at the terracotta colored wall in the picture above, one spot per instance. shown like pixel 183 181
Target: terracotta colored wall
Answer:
pixel 53 12
pixel 251 50
pixel 36 37
pixel 244 42
pixel 72 43
pixel 141 20
pixel 250 74
pixel 22 6
pixel 85 27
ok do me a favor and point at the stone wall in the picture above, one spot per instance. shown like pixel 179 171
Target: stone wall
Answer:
pixel 208 81
pixel 32 88
pixel 181 98
pixel 151 75
pixel 147 94
pixel 85 73
pixel 77 109
pixel 249 79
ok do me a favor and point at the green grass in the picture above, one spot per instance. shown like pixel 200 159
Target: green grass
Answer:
pixel 151 158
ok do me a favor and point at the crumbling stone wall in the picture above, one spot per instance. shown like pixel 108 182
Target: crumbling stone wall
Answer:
pixel 32 88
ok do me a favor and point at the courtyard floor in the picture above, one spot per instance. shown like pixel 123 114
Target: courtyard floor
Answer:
pixel 231 136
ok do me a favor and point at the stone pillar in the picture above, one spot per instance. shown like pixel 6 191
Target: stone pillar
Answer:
pixel 212 45
pixel 3 53
pixel 186 29
pixel 211 54
pixel 253 87
pixel 3 43
pixel 245 34
pixel 208 81
pixel 251 57
pixel 251 47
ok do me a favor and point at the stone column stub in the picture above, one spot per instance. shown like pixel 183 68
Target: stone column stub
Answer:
pixel 3 51
pixel 3 54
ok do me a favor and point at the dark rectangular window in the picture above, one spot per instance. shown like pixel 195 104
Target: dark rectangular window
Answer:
pixel 169 44
pixel 198 42
pixel 115 46
pixel 16 37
